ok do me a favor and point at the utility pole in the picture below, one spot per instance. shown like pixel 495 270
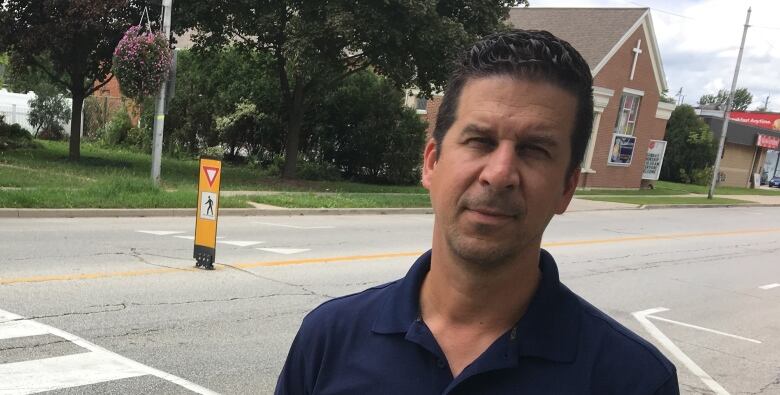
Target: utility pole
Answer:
pixel 727 109
pixel 766 103
pixel 159 110
pixel 680 96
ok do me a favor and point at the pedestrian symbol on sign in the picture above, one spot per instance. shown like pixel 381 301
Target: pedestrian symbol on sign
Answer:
pixel 207 202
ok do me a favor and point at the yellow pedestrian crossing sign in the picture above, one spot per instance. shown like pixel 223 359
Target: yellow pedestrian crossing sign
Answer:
pixel 210 171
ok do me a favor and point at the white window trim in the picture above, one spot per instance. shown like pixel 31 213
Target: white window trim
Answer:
pixel 634 91
pixel 601 98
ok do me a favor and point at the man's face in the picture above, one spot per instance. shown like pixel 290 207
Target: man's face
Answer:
pixel 502 170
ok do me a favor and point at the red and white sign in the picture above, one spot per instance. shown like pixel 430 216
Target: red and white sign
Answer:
pixel 757 119
pixel 770 142
pixel 211 174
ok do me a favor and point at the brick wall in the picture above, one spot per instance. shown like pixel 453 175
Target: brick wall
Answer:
pixel 615 75
pixel 735 164
pixel 433 111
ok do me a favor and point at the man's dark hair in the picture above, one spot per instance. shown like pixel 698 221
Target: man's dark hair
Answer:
pixel 533 55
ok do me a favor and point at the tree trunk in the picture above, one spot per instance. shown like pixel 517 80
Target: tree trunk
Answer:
pixel 294 122
pixel 75 127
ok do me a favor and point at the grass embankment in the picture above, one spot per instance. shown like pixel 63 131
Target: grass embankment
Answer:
pixel 345 200
pixel 117 178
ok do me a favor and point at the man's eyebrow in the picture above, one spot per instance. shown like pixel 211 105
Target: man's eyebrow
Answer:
pixel 475 129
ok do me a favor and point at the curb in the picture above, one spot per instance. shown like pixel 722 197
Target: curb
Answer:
pixel 665 206
pixel 187 212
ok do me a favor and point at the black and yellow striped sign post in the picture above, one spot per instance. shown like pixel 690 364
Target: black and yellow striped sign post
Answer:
pixel 207 213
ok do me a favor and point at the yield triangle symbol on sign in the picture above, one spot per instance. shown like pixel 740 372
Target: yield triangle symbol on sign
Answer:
pixel 211 174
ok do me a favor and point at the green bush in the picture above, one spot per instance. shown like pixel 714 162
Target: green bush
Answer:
pixel 363 129
pixel 308 170
pixel 14 136
pixel 48 110
pixel 690 150
pixel 116 130
pixel 140 138
pixel 54 133
pixel 216 152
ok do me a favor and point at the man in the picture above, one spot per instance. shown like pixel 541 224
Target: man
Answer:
pixel 483 312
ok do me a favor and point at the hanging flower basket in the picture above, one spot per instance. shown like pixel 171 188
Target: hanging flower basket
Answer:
pixel 142 60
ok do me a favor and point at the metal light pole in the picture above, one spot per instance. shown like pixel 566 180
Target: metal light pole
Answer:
pixel 159 109
pixel 716 168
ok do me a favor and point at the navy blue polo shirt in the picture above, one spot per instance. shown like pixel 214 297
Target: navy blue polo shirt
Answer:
pixel 374 342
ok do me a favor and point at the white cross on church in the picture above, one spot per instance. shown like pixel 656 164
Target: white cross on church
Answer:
pixel 637 51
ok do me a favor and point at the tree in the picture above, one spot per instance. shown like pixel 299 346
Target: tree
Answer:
pixel 741 101
pixel 312 45
pixel 77 37
pixel 48 110
pixel 209 85
pixel 3 68
pixel 691 148
pixel 363 128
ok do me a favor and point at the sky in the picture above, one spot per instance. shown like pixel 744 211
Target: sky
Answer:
pixel 699 43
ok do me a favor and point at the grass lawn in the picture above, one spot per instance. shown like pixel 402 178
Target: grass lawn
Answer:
pixel 665 200
pixel 119 178
pixel 345 200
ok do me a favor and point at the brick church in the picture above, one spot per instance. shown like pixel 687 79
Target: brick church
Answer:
pixel 620 46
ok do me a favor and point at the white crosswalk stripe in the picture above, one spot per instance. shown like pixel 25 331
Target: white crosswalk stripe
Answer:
pixel 97 365
pixel 284 251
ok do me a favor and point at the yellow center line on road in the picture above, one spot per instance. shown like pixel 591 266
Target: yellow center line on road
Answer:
pixel 674 236
pixel 90 276
pixel 326 260
pixel 353 258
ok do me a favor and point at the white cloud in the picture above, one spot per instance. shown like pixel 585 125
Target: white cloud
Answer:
pixel 699 41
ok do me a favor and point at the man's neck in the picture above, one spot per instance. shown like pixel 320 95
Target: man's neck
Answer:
pixel 462 294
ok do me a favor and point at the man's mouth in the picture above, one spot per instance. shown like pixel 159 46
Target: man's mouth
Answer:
pixel 492 213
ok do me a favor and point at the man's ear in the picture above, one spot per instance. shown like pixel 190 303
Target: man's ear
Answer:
pixel 429 163
pixel 568 191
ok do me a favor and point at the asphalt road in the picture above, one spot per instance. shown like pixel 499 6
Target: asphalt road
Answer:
pixel 113 305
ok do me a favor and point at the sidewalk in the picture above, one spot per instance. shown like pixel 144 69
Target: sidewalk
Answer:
pixel 578 204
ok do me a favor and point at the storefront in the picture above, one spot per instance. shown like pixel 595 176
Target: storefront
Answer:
pixel 747 145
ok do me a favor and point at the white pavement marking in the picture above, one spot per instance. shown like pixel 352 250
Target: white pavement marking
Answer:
pixel 704 329
pixel 13 329
pixel 285 251
pixel 97 365
pixel 293 226
pixel 73 370
pixel 769 286
pixel 240 243
pixel 160 232
pixel 642 317
pixel 186 237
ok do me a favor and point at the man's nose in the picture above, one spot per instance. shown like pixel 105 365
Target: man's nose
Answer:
pixel 500 171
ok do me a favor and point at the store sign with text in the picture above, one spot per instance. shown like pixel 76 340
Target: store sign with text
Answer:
pixel 757 119
pixel 655 159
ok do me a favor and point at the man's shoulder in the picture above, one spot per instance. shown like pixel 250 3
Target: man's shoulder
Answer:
pixel 350 309
pixel 619 352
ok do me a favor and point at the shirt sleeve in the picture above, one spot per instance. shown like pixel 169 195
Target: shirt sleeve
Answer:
pixel 670 387
pixel 295 378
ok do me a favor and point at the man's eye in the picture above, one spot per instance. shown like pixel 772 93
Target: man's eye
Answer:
pixel 480 142
pixel 533 150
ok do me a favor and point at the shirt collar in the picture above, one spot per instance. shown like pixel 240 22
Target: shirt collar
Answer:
pixel 549 329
